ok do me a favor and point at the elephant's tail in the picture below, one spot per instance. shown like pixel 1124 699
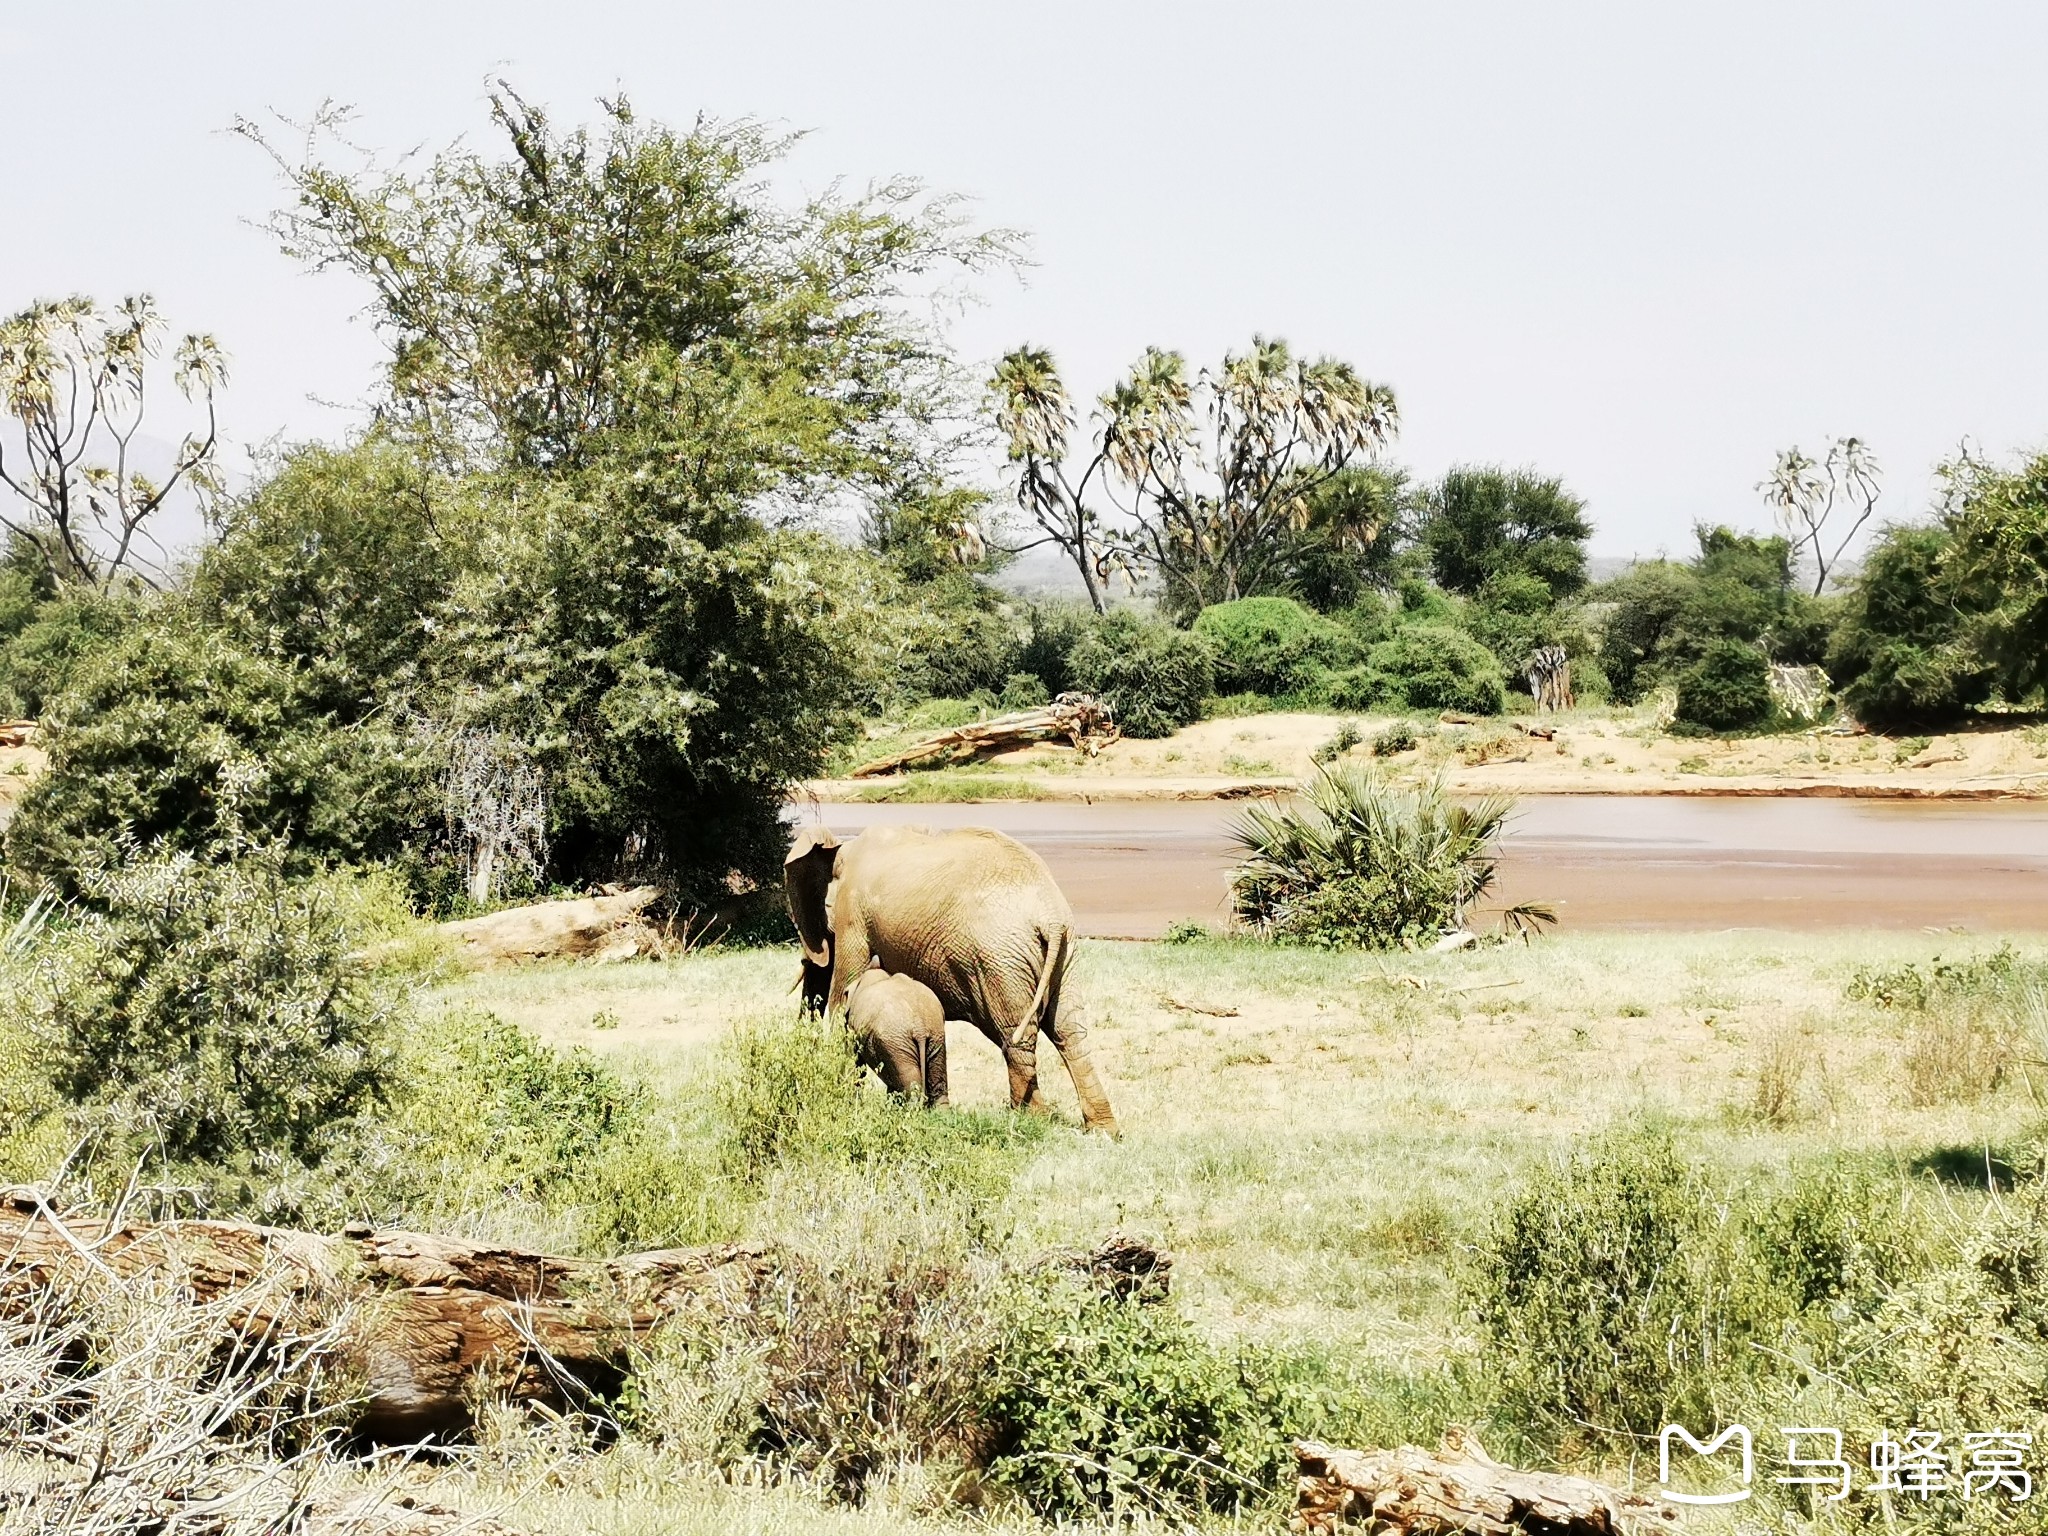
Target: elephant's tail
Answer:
pixel 1048 984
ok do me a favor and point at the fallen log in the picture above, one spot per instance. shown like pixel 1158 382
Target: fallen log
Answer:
pixel 18 733
pixel 608 927
pixel 1460 1489
pixel 433 1318
pixel 1540 732
pixel 1084 720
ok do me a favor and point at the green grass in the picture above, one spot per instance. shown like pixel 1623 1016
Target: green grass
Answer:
pixel 949 786
pixel 1397 1093
pixel 1325 1140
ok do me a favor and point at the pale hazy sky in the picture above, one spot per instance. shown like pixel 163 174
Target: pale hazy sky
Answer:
pixel 1640 246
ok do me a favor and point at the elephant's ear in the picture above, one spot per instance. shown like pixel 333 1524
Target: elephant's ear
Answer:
pixel 806 874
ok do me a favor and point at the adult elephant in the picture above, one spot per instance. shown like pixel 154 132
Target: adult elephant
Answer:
pixel 972 914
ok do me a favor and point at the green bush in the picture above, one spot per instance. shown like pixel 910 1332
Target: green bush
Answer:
pixel 1342 740
pixel 1902 653
pixel 1154 676
pixel 1662 615
pixel 790 1095
pixel 212 1012
pixel 1273 645
pixel 1432 666
pixel 504 1111
pixel 1024 690
pixel 1598 1293
pixel 1396 738
pixel 1484 524
pixel 333 568
pixel 1358 862
pixel 1727 689
pixel 171 732
pixel 1103 1405
pixel 1049 639
pixel 57 637
pixel 952 637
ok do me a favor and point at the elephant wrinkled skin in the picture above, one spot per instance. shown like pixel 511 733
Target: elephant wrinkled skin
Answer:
pixel 974 915
pixel 899 1027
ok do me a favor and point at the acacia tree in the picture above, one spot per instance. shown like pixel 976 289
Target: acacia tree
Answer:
pixel 1207 475
pixel 634 364
pixel 1805 493
pixel 523 294
pixel 1482 523
pixel 75 380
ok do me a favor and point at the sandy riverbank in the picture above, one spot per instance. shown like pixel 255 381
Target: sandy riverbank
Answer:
pixel 1592 754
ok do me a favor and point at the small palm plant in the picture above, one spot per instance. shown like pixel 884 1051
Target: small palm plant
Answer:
pixel 1360 862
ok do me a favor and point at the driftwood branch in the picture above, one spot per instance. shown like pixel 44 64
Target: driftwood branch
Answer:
pixel 432 1318
pixel 1082 719
pixel 1460 1489
pixel 606 927
pixel 428 1326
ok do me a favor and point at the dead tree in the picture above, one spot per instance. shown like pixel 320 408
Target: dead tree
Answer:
pixel 1458 1491
pixel 430 1319
pixel 496 809
pixel 1087 723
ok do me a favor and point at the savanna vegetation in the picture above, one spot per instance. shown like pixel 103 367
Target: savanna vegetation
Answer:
pixel 669 491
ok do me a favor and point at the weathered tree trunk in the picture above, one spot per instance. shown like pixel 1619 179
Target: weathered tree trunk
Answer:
pixel 1462 1490
pixel 1084 720
pixel 431 1318
pixel 588 927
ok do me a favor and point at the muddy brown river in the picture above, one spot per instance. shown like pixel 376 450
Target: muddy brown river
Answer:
pixel 1604 861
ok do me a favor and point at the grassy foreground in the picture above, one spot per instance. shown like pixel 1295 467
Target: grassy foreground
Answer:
pixel 1326 1141
pixel 1554 1192
pixel 1312 1133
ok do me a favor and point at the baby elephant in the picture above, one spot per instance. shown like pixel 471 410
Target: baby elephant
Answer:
pixel 899 1029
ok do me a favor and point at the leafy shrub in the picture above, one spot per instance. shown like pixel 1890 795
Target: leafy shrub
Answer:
pixel 1431 666
pixel 333 568
pixel 1342 740
pixel 1833 1238
pixel 1727 689
pixel 1049 639
pixel 1485 524
pixel 1154 676
pixel 790 1096
pixel 951 638
pixel 1902 653
pixel 1917 986
pixel 1396 738
pixel 865 1355
pixel 1598 1294
pixel 1099 1404
pixel 171 732
pixel 1185 931
pixel 1024 690
pixel 1360 862
pixel 486 1110
pixel 54 641
pixel 1959 1043
pixel 1964 1342
pixel 1273 645
pixel 1662 615
pixel 213 1011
